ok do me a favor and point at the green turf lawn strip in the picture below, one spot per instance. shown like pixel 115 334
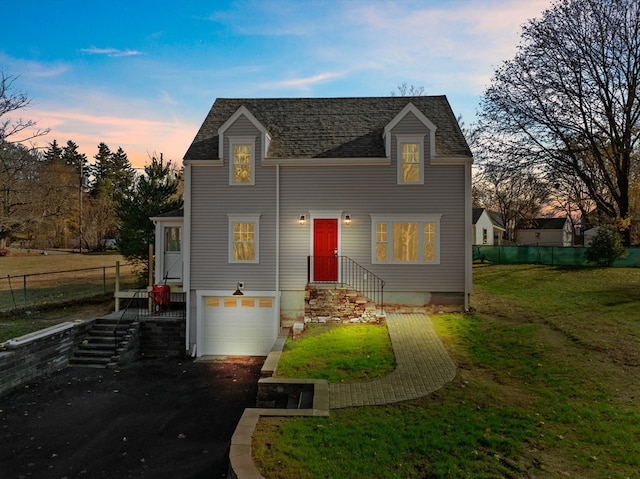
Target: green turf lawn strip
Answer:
pixel 338 353
pixel 547 386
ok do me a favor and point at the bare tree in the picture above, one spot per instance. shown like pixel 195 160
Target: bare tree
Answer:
pixel 408 90
pixel 15 130
pixel 18 174
pixel 99 218
pixel 517 196
pixel 56 196
pixel 568 102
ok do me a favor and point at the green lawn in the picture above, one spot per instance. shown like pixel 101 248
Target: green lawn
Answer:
pixel 56 288
pixel 338 353
pixel 547 386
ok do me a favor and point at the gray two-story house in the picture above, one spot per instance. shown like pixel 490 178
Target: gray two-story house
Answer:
pixel 283 193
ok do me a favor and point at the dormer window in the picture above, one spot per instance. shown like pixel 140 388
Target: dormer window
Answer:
pixel 242 160
pixel 410 159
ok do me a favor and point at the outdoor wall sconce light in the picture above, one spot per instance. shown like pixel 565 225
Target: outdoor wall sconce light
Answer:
pixel 302 219
pixel 347 219
pixel 237 292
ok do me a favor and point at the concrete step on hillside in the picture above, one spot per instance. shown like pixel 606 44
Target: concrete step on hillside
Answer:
pixel 89 362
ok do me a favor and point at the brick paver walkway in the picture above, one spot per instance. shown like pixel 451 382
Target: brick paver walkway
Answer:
pixel 423 366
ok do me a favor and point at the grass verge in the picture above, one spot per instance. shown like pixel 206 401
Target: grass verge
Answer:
pixel 338 353
pixel 547 386
pixel 20 322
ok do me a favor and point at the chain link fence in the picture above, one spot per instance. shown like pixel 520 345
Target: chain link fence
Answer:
pixel 547 255
pixel 39 289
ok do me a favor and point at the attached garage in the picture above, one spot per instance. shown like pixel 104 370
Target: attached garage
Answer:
pixel 237 325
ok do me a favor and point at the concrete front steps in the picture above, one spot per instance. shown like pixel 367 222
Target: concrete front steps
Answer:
pixel 105 343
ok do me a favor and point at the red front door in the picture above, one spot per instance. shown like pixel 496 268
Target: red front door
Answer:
pixel 325 250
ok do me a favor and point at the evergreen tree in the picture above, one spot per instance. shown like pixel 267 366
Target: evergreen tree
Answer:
pixel 101 182
pixel 121 172
pixel 54 153
pixel 154 193
pixel 73 157
pixel 606 247
pixel 113 174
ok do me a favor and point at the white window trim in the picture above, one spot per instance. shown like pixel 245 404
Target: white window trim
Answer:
pixel 242 140
pixel 160 225
pixel 390 219
pixel 244 218
pixel 401 139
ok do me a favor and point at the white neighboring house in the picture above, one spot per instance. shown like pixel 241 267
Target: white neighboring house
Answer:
pixel 546 232
pixel 487 227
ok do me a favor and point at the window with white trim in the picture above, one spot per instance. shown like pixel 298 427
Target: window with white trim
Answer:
pixel 172 238
pixel 242 160
pixel 410 159
pixel 405 239
pixel 243 238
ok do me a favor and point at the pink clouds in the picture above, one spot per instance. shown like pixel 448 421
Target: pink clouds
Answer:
pixel 138 137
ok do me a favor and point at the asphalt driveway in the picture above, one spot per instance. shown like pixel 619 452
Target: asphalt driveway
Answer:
pixel 155 418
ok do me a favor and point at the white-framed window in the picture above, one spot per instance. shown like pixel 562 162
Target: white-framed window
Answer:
pixel 405 239
pixel 172 238
pixel 485 236
pixel 242 160
pixel 244 233
pixel 410 159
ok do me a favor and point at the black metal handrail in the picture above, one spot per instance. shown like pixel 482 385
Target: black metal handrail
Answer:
pixel 343 271
pixel 133 310
pixel 126 312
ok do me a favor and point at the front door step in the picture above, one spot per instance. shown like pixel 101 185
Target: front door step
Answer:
pixel 344 305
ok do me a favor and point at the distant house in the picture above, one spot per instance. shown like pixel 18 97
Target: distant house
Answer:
pixel 487 227
pixel 285 194
pixel 546 232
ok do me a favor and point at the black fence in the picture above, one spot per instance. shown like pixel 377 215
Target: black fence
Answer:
pixel 37 289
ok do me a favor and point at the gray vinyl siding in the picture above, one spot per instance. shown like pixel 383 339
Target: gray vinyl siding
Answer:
pixel 410 125
pixel 356 190
pixel 361 191
pixel 213 199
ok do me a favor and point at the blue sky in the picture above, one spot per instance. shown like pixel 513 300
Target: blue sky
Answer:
pixel 143 74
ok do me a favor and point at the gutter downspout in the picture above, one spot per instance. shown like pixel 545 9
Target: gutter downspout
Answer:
pixel 186 257
pixel 278 238
pixel 468 243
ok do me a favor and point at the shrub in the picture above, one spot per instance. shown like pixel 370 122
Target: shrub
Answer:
pixel 605 248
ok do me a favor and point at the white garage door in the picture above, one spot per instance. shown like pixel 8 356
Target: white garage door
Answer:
pixel 239 325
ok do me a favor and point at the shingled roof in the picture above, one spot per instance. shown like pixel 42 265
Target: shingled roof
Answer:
pixel 329 127
pixel 546 224
pixel 171 214
pixel 495 218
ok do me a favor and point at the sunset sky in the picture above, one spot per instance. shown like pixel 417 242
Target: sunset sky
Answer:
pixel 143 74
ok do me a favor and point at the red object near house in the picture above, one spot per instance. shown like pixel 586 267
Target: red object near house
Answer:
pixel 325 250
pixel 161 297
